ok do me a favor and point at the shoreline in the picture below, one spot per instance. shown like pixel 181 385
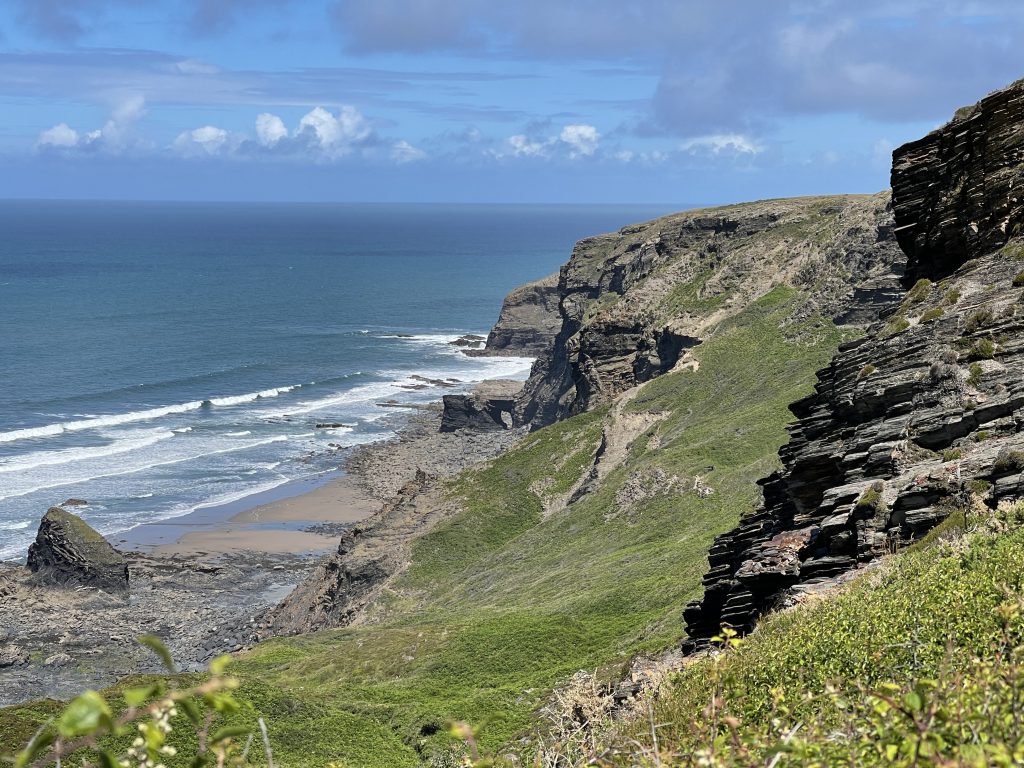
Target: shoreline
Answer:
pixel 206 581
pixel 302 517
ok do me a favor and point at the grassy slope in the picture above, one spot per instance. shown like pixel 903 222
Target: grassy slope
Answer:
pixel 499 605
pixel 921 659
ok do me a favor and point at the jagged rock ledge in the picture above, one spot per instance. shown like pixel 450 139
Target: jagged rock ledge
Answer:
pixel 921 416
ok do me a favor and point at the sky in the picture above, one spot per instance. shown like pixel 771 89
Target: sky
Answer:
pixel 535 101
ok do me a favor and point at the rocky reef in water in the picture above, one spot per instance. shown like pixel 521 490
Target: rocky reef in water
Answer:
pixel 922 415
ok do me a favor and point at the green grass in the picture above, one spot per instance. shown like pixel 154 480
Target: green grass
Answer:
pixel 686 297
pixel 499 604
pixel 943 621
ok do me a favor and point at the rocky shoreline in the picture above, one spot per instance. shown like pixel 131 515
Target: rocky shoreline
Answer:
pixel 58 640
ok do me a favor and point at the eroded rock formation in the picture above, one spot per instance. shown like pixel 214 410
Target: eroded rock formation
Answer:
pixel 68 551
pixel 488 407
pixel 633 302
pixel 909 422
pixel 528 321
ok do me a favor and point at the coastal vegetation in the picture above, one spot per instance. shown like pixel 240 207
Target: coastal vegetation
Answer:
pixel 505 600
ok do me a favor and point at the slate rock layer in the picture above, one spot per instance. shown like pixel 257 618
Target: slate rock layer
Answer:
pixel 920 416
pixel 68 551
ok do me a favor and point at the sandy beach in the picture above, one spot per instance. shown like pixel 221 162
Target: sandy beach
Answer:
pixel 303 517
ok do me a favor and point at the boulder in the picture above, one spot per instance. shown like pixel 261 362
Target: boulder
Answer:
pixel 68 551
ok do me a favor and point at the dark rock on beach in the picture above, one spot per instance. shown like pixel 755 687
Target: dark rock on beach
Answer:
pixel 68 551
pixel 488 407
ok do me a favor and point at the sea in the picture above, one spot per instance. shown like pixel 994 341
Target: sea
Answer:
pixel 159 358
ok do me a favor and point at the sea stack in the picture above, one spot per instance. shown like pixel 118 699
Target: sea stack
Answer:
pixel 68 551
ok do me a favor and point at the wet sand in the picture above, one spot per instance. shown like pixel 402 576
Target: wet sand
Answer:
pixel 302 517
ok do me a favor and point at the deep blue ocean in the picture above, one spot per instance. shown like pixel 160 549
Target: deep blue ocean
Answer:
pixel 156 357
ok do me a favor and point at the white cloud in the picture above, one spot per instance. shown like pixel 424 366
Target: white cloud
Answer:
pixel 270 129
pixel 61 135
pixel 206 141
pixel 583 139
pixel 721 142
pixel 335 134
pixel 404 152
pixel 521 146
pixel 116 135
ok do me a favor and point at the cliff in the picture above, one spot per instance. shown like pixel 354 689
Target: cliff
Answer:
pixel 632 303
pixel 528 321
pixel 918 418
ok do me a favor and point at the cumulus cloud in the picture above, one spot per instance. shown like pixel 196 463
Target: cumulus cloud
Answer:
pixel 319 136
pixel 207 141
pixel 574 141
pixel 719 143
pixel 583 139
pixel 61 135
pixel 334 134
pixel 403 152
pixel 522 146
pixel 115 137
pixel 270 129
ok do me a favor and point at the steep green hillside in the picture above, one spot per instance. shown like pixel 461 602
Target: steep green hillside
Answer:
pixel 919 661
pixel 509 598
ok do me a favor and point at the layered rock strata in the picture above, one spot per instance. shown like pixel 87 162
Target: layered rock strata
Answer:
pixel 632 303
pixel 920 416
pixel 68 551
pixel 528 321
pixel 488 407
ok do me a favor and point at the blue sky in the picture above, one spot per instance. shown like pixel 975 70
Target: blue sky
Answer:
pixel 667 101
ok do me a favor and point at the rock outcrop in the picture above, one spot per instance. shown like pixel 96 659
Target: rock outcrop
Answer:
pixel 68 551
pixel 959 191
pixel 633 302
pixel 528 321
pixel 488 407
pixel 367 556
pixel 920 417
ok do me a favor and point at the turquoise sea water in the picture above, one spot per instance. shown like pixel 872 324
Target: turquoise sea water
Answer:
pixel 155 357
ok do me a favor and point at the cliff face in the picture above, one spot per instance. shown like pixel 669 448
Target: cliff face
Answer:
pixel 957 193
pixel 633 302
pixel 528 321
pixel 911 421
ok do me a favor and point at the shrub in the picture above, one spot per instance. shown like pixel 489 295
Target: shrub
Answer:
pixel 1009 461
pixel 897 325
pixel 975 373
pixel 1018 280
pixel 932 314
pixel 952 454
pixel 979 319
pixel 982 349
pixel 982 435
pixel 920 291
pixel 952 296
pixel 866 371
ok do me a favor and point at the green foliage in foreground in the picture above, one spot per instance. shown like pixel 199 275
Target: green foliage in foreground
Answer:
pixel 918 662
pixel 505 601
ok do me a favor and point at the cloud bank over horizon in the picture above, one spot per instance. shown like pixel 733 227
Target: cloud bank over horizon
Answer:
pixel 655 100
